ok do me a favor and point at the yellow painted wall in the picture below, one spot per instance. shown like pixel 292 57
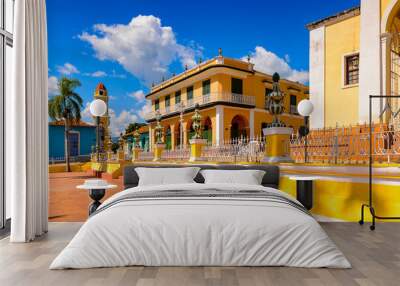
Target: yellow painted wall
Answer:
pixel 341 103
pixel 229 114
pixel 253 85
pixel 75 167
pixel 342 200
pixel 173 123
pixel 385 5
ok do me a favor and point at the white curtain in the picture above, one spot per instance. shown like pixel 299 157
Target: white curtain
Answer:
pixel 26 124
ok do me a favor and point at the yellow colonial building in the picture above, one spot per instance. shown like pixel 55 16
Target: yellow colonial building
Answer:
pixel 355 54
pixel 231 97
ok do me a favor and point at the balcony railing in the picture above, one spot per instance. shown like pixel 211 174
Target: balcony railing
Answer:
pixel 234 98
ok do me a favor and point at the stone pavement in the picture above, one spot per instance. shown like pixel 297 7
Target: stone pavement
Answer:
pixel 66 202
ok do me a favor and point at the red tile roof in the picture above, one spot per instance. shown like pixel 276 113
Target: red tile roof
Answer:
pixel 74 123
pixel 101 86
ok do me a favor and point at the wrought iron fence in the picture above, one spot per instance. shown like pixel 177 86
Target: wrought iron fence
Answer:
pixel 236 150
pixel 146 156
pixel 347 145
pixel 344 145
pixel 182 154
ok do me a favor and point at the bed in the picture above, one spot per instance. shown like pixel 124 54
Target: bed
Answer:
pixel 201 224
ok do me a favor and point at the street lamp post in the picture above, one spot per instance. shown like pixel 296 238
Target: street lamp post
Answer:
pixel 98 108
pixel 305 108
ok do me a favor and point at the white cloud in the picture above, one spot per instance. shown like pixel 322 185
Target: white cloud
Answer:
pixel 116 75
pixel 85 113
pixel 139 95
pixel 119 122
pixel 52 85
pixel 145 109
pixel 143 47
pixel 67 69
pixel 98 74
pixel 268 62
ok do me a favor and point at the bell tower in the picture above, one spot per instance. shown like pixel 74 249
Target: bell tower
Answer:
pixel 102 93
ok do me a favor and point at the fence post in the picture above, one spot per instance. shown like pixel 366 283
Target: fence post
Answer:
pixel 135 153
pixel 196 146
pixel 158 149
pixel 335 145
pixel 277 140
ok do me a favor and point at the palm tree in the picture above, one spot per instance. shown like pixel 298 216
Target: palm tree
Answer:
pixel 66 106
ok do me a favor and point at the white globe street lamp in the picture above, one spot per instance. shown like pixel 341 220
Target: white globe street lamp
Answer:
pixel 305 108
pixel 98 108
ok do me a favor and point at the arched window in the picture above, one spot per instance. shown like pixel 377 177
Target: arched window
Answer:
pixel 207 129
pixel 238 127
pixel 168 137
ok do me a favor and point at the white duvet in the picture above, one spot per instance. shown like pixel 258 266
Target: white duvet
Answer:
pixel 202 232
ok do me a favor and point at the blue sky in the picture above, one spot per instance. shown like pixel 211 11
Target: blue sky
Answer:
pixel 128 44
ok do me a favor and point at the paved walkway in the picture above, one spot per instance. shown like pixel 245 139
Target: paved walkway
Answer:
pixel 66 203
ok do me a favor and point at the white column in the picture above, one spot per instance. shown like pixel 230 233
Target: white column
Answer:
pixel 370 57
pixel 251 123
pixel 219 129
pixel 317 77
pixel 150 138
pixel 385 68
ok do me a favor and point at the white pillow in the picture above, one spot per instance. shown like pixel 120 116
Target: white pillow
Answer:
pixel 247 177
pixel 166 176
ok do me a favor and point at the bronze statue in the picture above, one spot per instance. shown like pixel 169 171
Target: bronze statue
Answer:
pixel 275 104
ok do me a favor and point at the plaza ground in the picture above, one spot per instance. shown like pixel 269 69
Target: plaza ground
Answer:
pixel 66 202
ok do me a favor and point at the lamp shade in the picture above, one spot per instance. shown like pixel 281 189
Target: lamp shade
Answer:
pixel 98 107
pixel 305 107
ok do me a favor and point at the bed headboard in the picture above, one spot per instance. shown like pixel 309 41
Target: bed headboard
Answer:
pixel 270 179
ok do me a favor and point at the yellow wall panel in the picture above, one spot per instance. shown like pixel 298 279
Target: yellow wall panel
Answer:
pixel 341 103
pixel 342 200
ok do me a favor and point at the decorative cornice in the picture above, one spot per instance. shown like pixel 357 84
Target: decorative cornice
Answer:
pixel 346 14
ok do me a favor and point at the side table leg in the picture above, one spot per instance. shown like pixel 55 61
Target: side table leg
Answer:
pixel 96 195
pixel 304 190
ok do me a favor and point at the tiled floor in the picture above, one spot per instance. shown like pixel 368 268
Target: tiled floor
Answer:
pixel 66 202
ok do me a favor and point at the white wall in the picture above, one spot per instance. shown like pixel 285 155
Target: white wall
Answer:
pixel 317 77
pixel 370 59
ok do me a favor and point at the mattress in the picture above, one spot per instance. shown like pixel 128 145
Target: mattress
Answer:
pixel 201 225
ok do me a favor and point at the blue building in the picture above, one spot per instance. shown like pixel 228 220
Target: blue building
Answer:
pixel 82 137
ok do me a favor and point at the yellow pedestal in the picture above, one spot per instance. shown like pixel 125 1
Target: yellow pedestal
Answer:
pixel 158 149
pixel 135 154
pixel 277 140
pixel 121 155
pixel 196 146
pixel 109 155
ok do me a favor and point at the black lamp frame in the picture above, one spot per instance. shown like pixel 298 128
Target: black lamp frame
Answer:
pixel 370 193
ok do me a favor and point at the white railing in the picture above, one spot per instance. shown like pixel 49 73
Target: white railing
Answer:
pixel 146 156
pixel 176 155
pixel 236 150
pixel 206 99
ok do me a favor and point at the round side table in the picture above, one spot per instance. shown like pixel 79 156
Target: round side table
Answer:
pixel 96 193
pixel 304 190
